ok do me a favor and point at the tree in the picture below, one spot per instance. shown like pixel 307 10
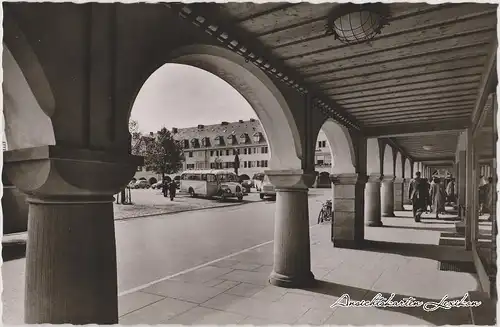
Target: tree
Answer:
pixel 236 163
pixel 163 154
pixel 135 137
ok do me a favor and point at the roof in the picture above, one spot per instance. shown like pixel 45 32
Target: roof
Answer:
pixel 249 127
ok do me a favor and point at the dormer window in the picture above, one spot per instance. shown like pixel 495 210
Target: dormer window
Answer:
pixel 186 144
pixel 257 137
pixel 232 139
pixel 244 138
pixel 195 143
pixel 219 140
pixel 205 142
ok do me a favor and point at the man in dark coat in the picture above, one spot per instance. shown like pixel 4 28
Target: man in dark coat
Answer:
pixel 172 189
pixel 418 194
pixel 164 188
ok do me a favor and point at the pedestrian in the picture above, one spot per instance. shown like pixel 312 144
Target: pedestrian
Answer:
pixel 450 191
pixel 172 189
pixel 438 197
pixel 418 194
pixel 164 188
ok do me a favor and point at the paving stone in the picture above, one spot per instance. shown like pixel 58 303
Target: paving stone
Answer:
pixel 226 263
pixel 244 289
pixel 196 293
pixel 214 282
pixel 203 274
pixel 156 313
pixel 258 321
pixel 133 301
pixel 264 269
pixel 251 277
pixel 221 301
pixel 205 316
pixel 314 317
pixel 270 294
pixel 227 284
pixel 246 266
pixel 372 316
pixel 313 301
pixel 353 276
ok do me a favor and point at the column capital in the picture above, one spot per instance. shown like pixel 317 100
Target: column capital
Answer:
pixel 387 178
pixel 374 178
pixel 55 174
pixel 398 180
pixel 291 179
pixel 348 179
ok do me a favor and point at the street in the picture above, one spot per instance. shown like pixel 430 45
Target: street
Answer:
pixel 154 247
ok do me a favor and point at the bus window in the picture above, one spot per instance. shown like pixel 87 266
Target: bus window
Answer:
pixel 211 178
pixel 203 177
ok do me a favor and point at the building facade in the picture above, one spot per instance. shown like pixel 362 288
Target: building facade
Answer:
pixel 215 147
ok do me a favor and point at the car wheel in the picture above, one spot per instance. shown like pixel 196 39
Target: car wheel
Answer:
pixel 240 198
pixel 262 196
pixel 191 192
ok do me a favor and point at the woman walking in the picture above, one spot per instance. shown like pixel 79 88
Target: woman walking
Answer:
pixel 438 197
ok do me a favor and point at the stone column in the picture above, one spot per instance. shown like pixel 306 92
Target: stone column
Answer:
pixel 387 196
pixel 348 230
pixel 292 253
pixel 71 255
pixel 398 194
pixel 406 191
pixel 372 201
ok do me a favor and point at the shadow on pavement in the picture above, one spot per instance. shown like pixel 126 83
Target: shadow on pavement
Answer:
pixel 13 251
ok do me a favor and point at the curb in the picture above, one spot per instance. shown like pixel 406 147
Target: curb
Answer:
pixel 181 211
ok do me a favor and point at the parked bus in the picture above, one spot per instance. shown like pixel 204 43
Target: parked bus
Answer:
pixel 212 183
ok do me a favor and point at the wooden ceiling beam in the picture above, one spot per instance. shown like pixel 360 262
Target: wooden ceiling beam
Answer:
pixel 372 122
pixel 489 81
pixel 430 127
pixel 386 53
pixel 403 99
pixel 399 112
pixel 405 104
pixel 462 56
pixel 328 49
pixel 435 80
pixel 406 90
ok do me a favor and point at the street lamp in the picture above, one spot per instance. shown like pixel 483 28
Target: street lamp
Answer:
pixel 355 23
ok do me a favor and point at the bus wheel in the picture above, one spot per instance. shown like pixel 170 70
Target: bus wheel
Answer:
pixel 191 192
pixel 262 196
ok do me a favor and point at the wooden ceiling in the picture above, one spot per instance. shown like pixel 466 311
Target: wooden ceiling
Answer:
pixel 423 71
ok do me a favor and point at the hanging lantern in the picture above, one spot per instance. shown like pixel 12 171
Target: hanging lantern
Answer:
pixel 355 23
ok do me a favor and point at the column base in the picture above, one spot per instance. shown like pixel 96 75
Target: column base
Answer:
pixel 390 214
pixel 306 280
pixel 374 224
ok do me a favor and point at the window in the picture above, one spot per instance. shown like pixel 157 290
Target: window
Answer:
pixel 264 149
pixel 245 150
pixel 235 152
pixel 254 150
pixel 139 168
pixel 210 178
pixel 227 152
pixel 265 163
pixel 186 144
pixel 211 153
pixel 258 163
pixel 320 162
pixel 190 154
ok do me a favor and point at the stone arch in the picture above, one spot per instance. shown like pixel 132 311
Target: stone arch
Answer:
pixel 27 124
pixel 388 161
pixel 341 147
pixel 373 157
pixel 257 88
pixel 399 166
pixel 408 168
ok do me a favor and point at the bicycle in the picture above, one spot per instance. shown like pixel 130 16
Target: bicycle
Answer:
pixel 326 213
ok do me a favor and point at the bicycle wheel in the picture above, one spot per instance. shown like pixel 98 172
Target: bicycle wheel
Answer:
pixel 321 216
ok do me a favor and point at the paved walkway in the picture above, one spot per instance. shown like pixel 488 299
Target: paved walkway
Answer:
pixel 402 258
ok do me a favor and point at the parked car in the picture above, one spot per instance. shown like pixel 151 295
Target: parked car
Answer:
pixel 131 183
pixel 142 184
pixel 157 185
pixel 268 190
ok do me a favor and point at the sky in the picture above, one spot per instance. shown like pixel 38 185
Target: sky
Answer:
pixel 184 96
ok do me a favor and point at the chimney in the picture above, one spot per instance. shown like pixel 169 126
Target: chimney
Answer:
pixel 224 123
pixel 240 121
pixel 151 134
pixel 201 126
pixel 252 120
pixel 174 130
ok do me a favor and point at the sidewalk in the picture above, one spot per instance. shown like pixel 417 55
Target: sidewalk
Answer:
pixel 236 290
